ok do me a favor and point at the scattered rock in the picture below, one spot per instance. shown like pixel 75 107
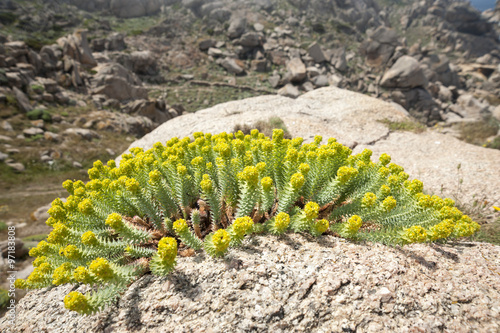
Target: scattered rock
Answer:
pixel 297 70
pixel 405 73
pixel 233 66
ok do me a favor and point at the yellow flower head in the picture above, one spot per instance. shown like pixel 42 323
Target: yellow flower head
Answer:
pixel 353 224
pixel 312 210
pixel 415 234
pixel 297 181
pixel 58 234
pixel 344 174
pixel 85 207
pixel 267 183
pixel 322 225
pixel 250 174
pixel 154 177
pixel 221 240
pixel 278 135
pixel 369 199
pixel 132 185
pixel 395 169
pixel 82 275
pixel 425 201
pixel 304 168
pixel 180 226
pixel 415 186
pixel 62 274
pixel 282 220
pixel 385 190
pixel 71 252
pixel 114 220
pixel 57 212
pixel 242 225
pixel 181 170
pixel 441 230
pixel 206 184
pixel 389 203
pixel 261 166
pixel 167 249
pixel 68 186
pixel 101 268
pixel 40 260
pixel 384 171
pixel 291 155
pixel 89 238
pixel 449 202
pixel 40 274
pixel 384 159
pixel 76 301
pixel 197 161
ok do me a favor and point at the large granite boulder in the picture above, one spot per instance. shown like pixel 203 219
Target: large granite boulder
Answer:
pixel 115 81
pixel 405 73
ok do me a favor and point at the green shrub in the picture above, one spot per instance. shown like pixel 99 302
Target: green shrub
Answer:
pixel 211 192
pixel 39 114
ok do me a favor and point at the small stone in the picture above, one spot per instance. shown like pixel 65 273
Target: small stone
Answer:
pixel 110 151
pixel 289 90
pixel 18 167
pixel 32 131
pixel 49 136
pixel 77 165
pixel 3 156
pixel 6 126
pixel 5 138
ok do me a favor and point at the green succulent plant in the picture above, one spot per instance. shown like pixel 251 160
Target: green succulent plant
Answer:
pixel 208 193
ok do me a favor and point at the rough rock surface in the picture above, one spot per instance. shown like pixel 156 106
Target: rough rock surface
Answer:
pixel 297 284
pixel 353 119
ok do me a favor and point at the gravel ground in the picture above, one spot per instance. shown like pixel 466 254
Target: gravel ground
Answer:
pixel 297 284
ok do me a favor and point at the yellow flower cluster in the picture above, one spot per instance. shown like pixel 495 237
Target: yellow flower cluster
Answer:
pixel 242 225
pixel 344 174
pixel 58 234
pixel 76 301
pixel 384 159
pixel 369 200
pixel 82 275
pixel 312 210
pixel 267 183
pixel 62 274
pixel 282 220
pixel 297 181
pixel 322 225
pixel 180 226
pixel 389 204
pixel 71 252
pixel 441 230
pixel 250 174
pixel 415 234
pixel 221 240
pixel 114 220
pixel 85 207
pixel 101 268
pixel 167 249
pixel 353 224
pixel 206 184
pixel 89 238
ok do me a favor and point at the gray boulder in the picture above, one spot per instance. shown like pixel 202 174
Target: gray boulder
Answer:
pixel 380 46
pixel 296 69
pixel 316 53
pixel 115 81
pixel 405 73
pixel 237 27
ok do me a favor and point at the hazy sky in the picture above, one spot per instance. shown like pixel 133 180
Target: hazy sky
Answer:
pixel 482 5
